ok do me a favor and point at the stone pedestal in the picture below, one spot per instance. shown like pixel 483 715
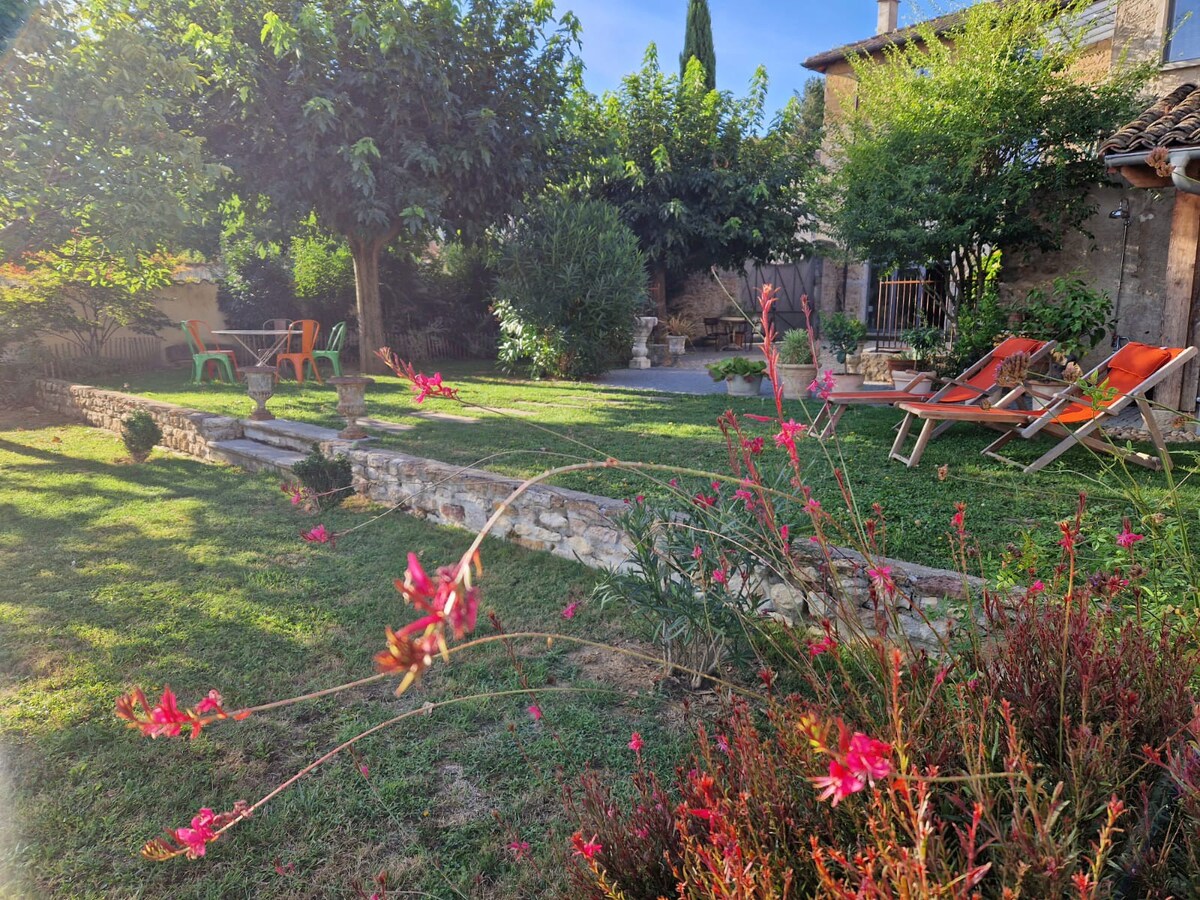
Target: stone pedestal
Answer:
pixel 642 326
pixel 352 404
pixel 260 385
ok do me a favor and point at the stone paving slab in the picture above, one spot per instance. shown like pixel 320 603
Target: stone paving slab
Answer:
pixel 287 434
pixel 253 456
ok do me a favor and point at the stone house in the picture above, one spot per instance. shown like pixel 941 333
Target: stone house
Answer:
pixel 1143 245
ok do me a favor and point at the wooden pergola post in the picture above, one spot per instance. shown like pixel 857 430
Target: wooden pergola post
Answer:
pixel 1183 258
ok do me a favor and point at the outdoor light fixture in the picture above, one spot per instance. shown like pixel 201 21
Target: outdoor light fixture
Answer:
pixel 1122 211
pixel 1122 214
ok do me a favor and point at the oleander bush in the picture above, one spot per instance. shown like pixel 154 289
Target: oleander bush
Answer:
pixel 570 282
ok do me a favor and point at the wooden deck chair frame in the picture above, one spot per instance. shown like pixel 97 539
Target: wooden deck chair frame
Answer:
pixel 1046 423
pixel 1019 423
pixel 833 410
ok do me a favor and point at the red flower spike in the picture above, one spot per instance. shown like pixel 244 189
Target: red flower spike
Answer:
pixel 423 385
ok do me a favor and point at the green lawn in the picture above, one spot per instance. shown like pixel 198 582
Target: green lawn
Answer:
pixel 681 430
pixel 193 575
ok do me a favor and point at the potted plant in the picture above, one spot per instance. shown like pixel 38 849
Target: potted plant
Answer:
pixel 924 341
pixel 842 336
pixel 797 370
pixel 679 330
pixel 742 377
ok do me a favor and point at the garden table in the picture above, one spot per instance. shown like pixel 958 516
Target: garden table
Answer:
pixel 262 356
pixel 736 329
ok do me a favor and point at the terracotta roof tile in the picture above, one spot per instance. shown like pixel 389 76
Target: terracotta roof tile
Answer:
pixel 1174 121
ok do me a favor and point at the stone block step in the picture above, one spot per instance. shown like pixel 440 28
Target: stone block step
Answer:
pixel 254 456
pixel 289 435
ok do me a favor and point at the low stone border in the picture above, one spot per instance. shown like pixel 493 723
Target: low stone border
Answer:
pixel 567 523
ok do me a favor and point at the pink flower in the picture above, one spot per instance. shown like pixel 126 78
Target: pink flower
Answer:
pixel 812 506
pixel 839 784
pixel 823 385
pixel 755 446
pixel 366 772
pixel 534 710
pixel 674 482
pixel 635 742
pixel 697 553
pixel 881 577
pixel 519 849
pixel 716 486
pixel 640 498
pixel 788 432
pixel 743 494
pixel 1127 538
pixel 958 519
pixel 867 757
pixel 318 535
pixel 783 533
pixel 719 576
pixel 167 718
pixel 703 500
pixel 722 743
pixel 586 849
pixel 211 703
pixel 424 385
pixel 196 837
pixel 825 645
pixel 1037 587
pixel 569 611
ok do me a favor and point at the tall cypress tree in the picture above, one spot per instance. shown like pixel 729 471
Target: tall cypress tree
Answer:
pixel 698 42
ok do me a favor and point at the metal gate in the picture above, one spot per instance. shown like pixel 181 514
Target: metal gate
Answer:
pixel 793 281
pixel 902 303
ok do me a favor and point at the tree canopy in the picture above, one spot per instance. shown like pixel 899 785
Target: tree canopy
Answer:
pixel 698 42
pixel 381 117
pixel 981 138
pixel 690 170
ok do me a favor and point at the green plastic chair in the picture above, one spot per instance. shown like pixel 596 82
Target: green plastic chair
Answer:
pixel 203 358
pixel 333 348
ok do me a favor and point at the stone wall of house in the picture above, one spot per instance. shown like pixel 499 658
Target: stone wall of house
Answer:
pixel 187 431
pixel 703 296
pixel 566 523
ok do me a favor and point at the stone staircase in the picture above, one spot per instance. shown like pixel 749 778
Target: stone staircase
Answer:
pixel 273 445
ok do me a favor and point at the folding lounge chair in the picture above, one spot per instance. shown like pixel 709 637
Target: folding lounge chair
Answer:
pixel 975 384
pixel 1127 375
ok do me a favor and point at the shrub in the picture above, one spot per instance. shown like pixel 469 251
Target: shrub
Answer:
pixel 795 348
pixel 140 433
pixel 842 334
pixel 327 480
pixel 570 282
pixel 1071 313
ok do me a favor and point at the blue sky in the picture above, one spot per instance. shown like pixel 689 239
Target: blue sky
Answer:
pixel 779 34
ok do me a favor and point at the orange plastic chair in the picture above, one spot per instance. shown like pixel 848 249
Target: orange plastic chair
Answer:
pixel 976 384
pixel 1127 376
pixel 208 357
pixel 306 330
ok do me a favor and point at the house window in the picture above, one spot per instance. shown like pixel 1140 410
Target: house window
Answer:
pixel 1184 31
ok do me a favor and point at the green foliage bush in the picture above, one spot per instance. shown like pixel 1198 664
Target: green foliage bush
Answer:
pixel 327 480
pixel 140 433
pixel 1070 312
pixel 795 348
pixel 570 283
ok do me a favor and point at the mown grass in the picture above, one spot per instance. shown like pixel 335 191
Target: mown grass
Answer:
pixel 193 575
pixel 681 430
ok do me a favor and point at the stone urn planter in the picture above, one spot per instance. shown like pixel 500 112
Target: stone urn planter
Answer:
pixel 796 379
pixel 642 326
pixel 848 381
pixel 675 344
pixel 352 404
pixel 260 385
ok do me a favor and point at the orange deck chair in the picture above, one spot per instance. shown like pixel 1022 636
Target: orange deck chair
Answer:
pixel 1127 375
pixel 306 330
pixel 977 383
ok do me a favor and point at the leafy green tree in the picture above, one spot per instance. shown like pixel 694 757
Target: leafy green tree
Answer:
pixel 698 43
pixel 978 139
pixel 90 143
pixel 81 293
pixel 382 116
pixel 689 170
pixel 12 16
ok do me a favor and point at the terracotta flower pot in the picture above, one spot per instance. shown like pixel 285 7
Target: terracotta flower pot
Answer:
pixel 796 379
pixel 848 381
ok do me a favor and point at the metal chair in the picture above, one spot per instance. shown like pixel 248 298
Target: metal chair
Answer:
pixel 333 348
pixel 307 330
pixel 213 360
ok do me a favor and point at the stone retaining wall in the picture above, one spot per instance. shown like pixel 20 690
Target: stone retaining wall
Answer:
pixel 187 431
pixel 566 523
